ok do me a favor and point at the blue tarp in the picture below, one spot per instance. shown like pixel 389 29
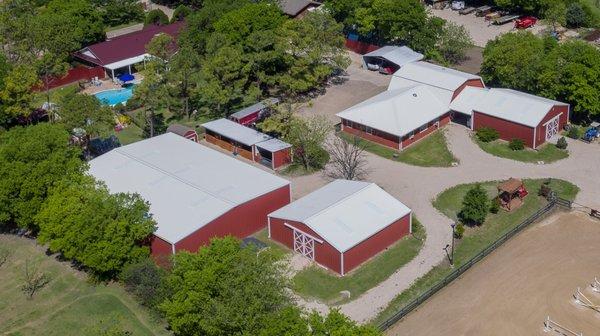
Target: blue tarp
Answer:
pixel 126 77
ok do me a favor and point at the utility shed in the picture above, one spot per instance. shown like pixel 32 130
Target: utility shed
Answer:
pixel 297 8
pixel 248 143
pixel 249 115
pixel 446 83
pixel 393 56
pixel 514 114
pixel 195 193
pixel 342 224
pixel 396 118
pixel 184 131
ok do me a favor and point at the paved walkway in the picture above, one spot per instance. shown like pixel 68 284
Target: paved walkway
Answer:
pixel 418 186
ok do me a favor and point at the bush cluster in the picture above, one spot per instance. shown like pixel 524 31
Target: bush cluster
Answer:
pixel 574 132
pixel 562 143
pixel 487 134
pixel 516 144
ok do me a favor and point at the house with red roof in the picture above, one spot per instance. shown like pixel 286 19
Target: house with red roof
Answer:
pixel 121 54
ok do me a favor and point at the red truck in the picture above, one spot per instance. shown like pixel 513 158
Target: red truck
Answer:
pixel 525 22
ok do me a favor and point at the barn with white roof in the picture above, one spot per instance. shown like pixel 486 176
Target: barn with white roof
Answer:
pixel 195 193
pixel 393 57
pixel 397 118
pixel 342 224
pixel 514 114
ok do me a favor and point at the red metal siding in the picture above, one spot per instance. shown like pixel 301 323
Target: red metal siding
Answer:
pixel 282 157
pixel 470 82
pixel 325 254
pixel 563 120
pixel 379 137
pixel 240 222
pixel 360 47
pixel 508 130
pixel 376 243
pixel 192 135
pixel 247 120
pixel 407 140
pixel 161 250
pixel 74 75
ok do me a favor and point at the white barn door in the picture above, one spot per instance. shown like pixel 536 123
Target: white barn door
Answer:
pixel 552 127
pixel 304 244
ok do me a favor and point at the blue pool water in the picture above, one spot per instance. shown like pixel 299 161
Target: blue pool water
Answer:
pixel 117 96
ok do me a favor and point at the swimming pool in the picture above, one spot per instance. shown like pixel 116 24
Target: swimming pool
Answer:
pixel 115 96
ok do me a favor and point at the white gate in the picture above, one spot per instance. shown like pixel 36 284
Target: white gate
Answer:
pixel 304 244
pixel 552 128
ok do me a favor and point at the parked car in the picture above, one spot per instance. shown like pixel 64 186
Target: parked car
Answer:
pixel 372 66
pixel 592 133
pixel 386 70
pixel 466 10
pixel 525 22
pixel 483 10
pixel 458 5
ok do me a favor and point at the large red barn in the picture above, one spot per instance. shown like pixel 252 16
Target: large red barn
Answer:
pixel 342 224
pixel 195 193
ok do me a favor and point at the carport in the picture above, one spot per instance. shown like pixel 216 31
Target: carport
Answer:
pixel 393 57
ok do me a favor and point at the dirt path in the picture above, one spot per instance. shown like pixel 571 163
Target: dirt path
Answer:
pixel 519 285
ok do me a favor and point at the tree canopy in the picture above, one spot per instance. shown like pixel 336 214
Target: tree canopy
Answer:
pixel 85 111
pixel 475 206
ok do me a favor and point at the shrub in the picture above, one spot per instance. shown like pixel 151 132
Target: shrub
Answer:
pixel 516 144
pixel 495 206
pixel 144 280
pixel 475 206
pixel 156 17
pixel 487 134
pixel 574 132
pixel 180 13
pixel 459 231
pixel 576 16
pixel 562 143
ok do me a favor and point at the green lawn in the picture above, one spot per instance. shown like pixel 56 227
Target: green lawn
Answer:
pixel 69 305
pixel 277 249
pixel 128 24
pixel 547 152
pixel 431 151
pixel 476 239
pixel 315 282
pixel 56 94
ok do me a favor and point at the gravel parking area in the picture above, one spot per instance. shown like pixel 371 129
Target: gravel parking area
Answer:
pixel 481 31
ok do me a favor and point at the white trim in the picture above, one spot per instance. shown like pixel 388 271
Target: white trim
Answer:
pixel 173 248
pixel 269 226
pixel 410 230
pixel 547 122
pixel 342 268
pixel 304 233
pixel 534 136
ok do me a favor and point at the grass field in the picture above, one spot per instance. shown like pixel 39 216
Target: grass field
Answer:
pixel 315 282
pixel 547 152
pixel 56 94
pixel 69 304
pixel 432 151
pixel 476 239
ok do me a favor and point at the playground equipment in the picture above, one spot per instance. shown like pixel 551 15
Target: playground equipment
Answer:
pixel 551 326
pixel 584 301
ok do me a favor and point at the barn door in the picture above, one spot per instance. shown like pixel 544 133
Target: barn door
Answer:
pixel 552 128
pixel 304 244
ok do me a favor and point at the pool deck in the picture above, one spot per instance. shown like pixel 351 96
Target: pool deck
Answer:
pixel 108 84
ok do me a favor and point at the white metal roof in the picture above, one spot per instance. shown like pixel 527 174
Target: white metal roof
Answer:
pixel 397 112
pixel 511 105
pixel 434 75
pixel 397 55
pixel 127 61
pixel 468 98
pixel 187 184
pixel 345 213
pixel 255 107
pixel 273 145
pixel 445 96
pixel 235 131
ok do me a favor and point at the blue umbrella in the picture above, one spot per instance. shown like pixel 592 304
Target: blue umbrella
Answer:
pixel 126 77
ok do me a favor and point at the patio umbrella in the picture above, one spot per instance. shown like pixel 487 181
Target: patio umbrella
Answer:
pixel 126 77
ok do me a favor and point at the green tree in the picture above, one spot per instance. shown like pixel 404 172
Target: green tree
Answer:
pixel 180 13
pixel 102 231
pixel 307 137
pixel 32 161
pixel 343 11
pixel 74 21
pixel 16 95
pixel 555 13
pixel 453 42
pixel 224 289
pixel 85 111
pixel 183 75
pixel 117 12
pixel 145 280
pixel 475 206
pixel 513 60
pixel 576 16
pixel 156 17
pixel 530 6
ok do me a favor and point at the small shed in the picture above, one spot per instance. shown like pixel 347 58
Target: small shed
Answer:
pixel 393 57
pixel 274 153
pixel 249 115
pixel 342 224
pixel 184 131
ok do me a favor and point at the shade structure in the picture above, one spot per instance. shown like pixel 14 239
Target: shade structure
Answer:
pixel 126 77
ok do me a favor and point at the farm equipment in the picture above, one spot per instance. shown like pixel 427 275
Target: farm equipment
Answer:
pixel 592 133
pixel 525 22
pixel 493 16
pixel 505 19
pixel 466 10
pixel 483 10
pixel 458 5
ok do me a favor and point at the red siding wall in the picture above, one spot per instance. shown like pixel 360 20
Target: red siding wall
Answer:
pixel 508 130
pixel 325 254
pixel 407 141
pixel 241 221
pixel 282 157
pixel 247 120
pixel 360 47
pixel 563 120
pixel 161 250
pixel 470 82
pixel 74 75
pixel 376 243
pixel 388 141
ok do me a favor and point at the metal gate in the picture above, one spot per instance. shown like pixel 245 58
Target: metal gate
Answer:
pixel 304 244
pixel 552 128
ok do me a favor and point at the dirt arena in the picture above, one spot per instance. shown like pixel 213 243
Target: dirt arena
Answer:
pixel 511 292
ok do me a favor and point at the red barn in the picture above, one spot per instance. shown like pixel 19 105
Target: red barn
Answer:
pixel 195 193
pixel 184 131
pixel 342 224
pixel 249 115
pixel 248 143
pixel 514 114
pixel 397 118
